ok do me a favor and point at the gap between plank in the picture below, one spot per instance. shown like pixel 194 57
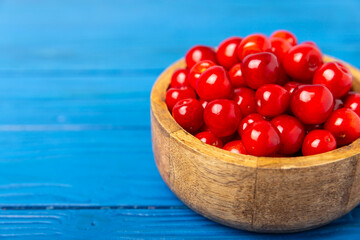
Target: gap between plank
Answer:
pixel 67 127
pixel 89 207
pixel 79 72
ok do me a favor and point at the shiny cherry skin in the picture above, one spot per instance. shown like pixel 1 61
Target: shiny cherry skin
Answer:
pixel 318 141
pixel 302 61
pixel 173 95
pixel 291 86
pixel 279 47
pixel 261 139
pixel 335 76
pixel 292 133
pixel 344 124
pixel 199 53
pixel 236 146
pixel 272 100
pixel 222 116
pixel 197 70
pixel 180 78
pixel 188 113
pixel 203 103
pixel 286 35
pixel 259 69
pixel 245 99
pixel 213 84
pixel 248 121
pixel 312 104
pixel 226 53
pixel 338 103
pixel 236 77
pixel 209 138
pixel 254 43
pixel 353 102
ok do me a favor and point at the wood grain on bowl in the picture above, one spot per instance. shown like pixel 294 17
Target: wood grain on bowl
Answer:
pixel 259 194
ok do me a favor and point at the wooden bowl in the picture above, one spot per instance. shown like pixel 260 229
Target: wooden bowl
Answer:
pixel 259 194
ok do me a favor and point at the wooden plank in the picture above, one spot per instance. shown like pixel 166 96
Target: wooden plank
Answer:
pixel 113 100
pixel 143 34
pixel 146 224
pixel 75 166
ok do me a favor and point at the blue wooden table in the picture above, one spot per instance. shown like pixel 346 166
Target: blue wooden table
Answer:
pixel 76 159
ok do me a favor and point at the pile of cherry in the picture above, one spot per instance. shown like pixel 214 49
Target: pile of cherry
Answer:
pixel 265 96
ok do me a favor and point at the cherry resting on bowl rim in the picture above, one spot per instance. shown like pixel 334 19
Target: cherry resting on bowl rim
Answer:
pixel 261 139
pixel 189 114
pixel 209 138
pixel 180 78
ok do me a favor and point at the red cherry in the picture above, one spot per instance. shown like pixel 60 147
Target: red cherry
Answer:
pixel 209 138
pixel 173 95
pixel 311 43
pixel 248 121
pixel 214 84
pixel 302 61
pixel 272 100
pixel 197 70
pixel 312 104
pixel 292 133
pixel 253 43
pixel 203 103
pixel 245 99
pixel 188 113
pixel 261 139
pixel 199 53
pixel 291 86
pixel 338 103
pixel 279 47
pixel 318 141
pixel 344 124
pixel 260 69
pixel 222 116
pixel 284 34
pixel 236 77
pixel 335 76
pixel 179 78
pixel 353 102
pixel 236 146
pixel 226 53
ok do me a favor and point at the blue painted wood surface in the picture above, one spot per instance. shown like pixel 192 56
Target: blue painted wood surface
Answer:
pixel 76 159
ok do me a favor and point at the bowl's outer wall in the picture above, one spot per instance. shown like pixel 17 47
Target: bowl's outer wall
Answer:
pixel 247 192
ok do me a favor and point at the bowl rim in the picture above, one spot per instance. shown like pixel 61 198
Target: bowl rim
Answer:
pixel 162 115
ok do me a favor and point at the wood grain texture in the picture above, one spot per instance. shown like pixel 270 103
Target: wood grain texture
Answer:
pixel 74 97
pixel 257 194
pixel 105 223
